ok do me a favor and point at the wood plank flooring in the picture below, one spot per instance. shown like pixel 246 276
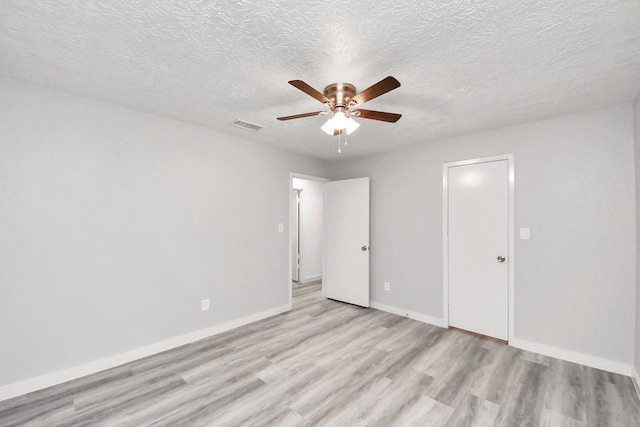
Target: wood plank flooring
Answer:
pixel 331 364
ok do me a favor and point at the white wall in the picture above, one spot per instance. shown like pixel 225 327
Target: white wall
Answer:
pixel 636 116
pixel 575 278
pixel 114 224
pixel 311 198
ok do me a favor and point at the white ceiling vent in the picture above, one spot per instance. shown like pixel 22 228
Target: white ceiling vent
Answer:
pixel 246 125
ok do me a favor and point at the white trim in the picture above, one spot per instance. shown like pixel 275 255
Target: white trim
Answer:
pixel 58 377
pixel 296 204
pixel 558 353
pixel 301 267
pixel 410 314
pixel 309 279
pixel 445 245
pixel 573 356
pixel 511 239
pixel 307 177
pixel 635 378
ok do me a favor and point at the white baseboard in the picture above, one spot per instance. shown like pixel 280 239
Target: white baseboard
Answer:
pixel 309 279
pixel 58 377
pixel 573 356
pixel 410 314
pixel 558 353
pixel 636 380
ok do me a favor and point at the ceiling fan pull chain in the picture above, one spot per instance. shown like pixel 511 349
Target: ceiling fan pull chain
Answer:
pixel 339 139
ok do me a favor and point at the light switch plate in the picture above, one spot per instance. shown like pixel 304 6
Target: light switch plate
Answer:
pixel 525 234
pixel 280 227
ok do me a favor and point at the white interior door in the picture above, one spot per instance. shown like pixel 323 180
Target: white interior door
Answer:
pixel 478 273
pixel 345 274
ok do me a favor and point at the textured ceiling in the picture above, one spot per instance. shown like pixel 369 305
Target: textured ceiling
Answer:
pixel 463 65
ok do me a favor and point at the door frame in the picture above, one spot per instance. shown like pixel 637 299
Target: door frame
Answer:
pixel 296 210
pixel 510 240
pixel 290 192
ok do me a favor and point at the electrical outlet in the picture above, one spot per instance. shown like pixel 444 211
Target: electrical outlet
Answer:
pixel 387 286
pixel 205 304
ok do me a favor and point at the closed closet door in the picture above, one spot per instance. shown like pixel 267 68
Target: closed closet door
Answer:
pixel 478 221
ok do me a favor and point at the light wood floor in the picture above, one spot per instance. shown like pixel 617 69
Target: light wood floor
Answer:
pixel 333 364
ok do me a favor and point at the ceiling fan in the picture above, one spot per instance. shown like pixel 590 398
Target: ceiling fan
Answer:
pixel 343 102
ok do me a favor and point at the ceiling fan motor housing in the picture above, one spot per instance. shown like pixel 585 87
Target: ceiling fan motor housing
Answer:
pixel 340 94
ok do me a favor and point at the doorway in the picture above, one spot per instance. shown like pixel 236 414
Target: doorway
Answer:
pixel 478 246
pixel 333 238
pixel 295 233
pixel 306 194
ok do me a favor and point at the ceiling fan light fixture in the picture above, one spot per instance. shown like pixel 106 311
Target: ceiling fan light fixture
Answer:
pixel 339 120
pixel 328 127
pixel 351 126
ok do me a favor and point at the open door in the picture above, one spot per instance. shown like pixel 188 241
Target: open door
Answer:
pixel 346 241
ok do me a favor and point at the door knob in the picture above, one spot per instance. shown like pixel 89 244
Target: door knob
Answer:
pixel 501 258
pixel 364 248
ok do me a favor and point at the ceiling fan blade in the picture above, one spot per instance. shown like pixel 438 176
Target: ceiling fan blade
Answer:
pixel 310 91
pixel 299 116
pixel 383 86
pixel 376 115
